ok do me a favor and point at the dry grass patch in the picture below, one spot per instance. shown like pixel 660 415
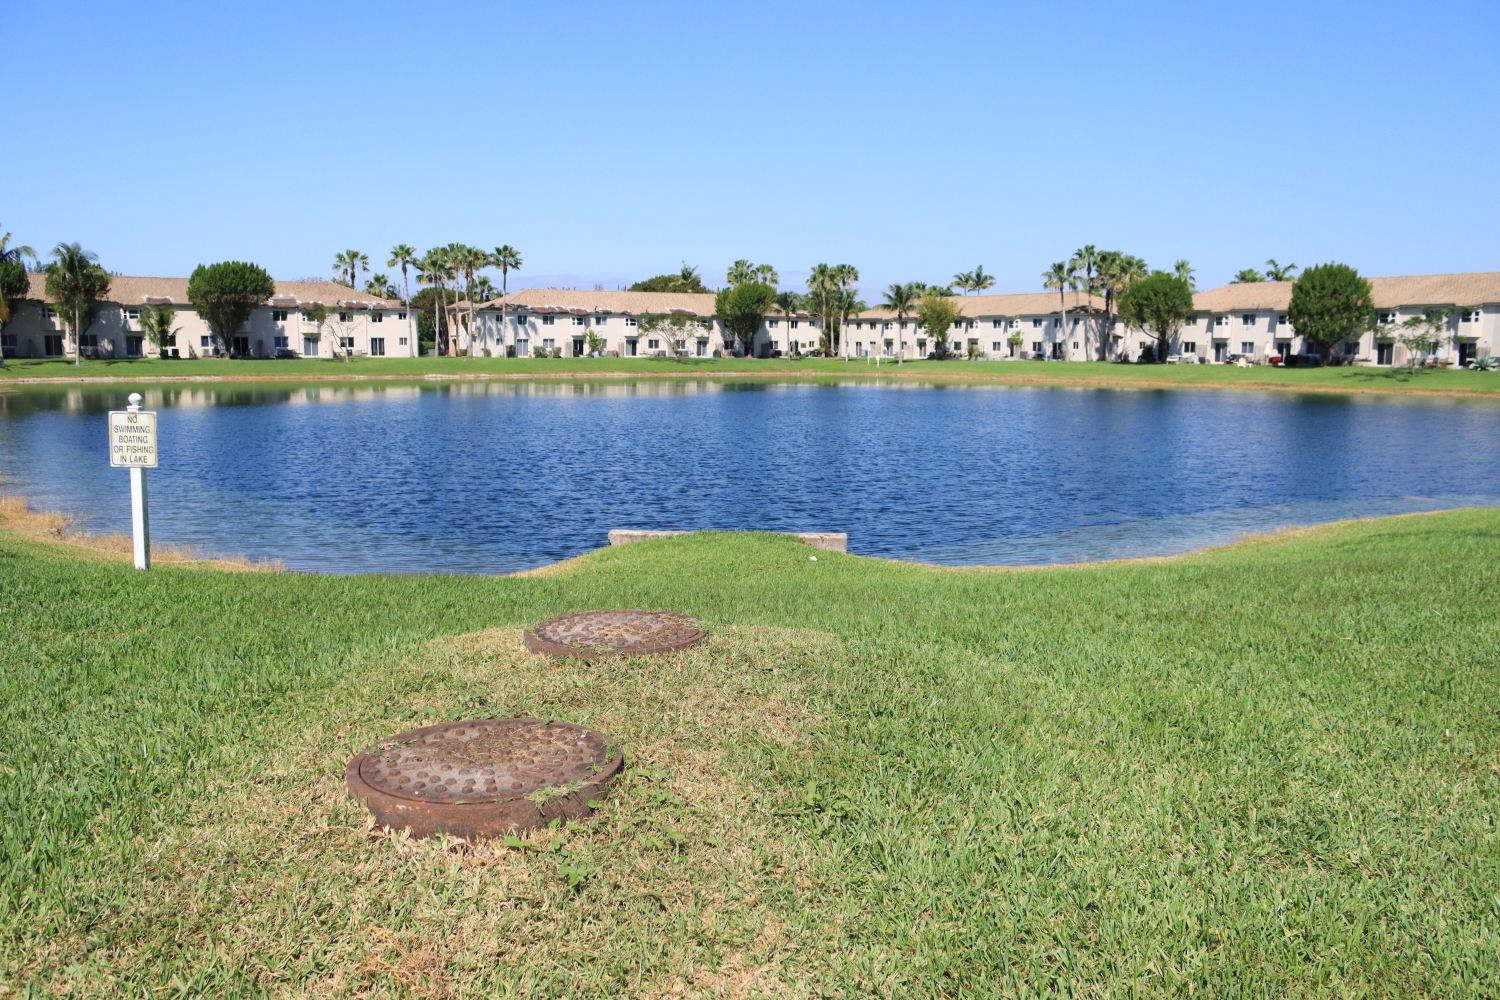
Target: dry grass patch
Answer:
pixel 686 883
pixel 55 526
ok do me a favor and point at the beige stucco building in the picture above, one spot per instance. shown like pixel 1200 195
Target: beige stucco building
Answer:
pixel 357 323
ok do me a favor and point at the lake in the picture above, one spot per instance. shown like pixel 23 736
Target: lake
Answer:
pixel 493 477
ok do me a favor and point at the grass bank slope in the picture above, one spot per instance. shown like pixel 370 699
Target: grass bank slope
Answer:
pixel 1442 382
pixel 1266 770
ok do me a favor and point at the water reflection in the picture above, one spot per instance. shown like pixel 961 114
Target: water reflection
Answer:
pixel 495 475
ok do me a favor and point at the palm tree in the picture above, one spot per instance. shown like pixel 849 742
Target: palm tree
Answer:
pixel 75 281
pixel 468 261
pixel 347 265
pixel 1117 272
pixel 787 303
pixel 1280 272
pixel 17 253
pixel 1248 276
pixel 982 280
pixel 433 269
pixel 740 272
pixel 156 324
pixel 507 258
pixel 964 280
pixel 1185 270
pixel 821 286
pixel 1062 276
pixel 484 288
pixel 766 275
pixel 900 299
pixel 403 256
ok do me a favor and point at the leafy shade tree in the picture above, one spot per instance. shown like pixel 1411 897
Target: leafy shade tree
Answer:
pixel 76 282
pixel 686 280
pixel 742 309
pixel 1247 277
pixel 347 265
pixel 1160 304
pixel 156 324
pixel 937 313
pixel 226 294
pixel 14 285
pixel 1280 272
pixel 404 257
pixel 1330 303
pixel 1426 332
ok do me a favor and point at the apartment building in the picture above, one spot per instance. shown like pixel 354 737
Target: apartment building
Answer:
pixel 1023 326
pixel 357 323
pixel 552 319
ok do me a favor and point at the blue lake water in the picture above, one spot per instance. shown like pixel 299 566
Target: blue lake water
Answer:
pixel 493 477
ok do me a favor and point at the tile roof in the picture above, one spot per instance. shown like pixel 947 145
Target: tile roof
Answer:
pixel 620 303
pixel 1022 304
pixel 127 290
pixel 1478 288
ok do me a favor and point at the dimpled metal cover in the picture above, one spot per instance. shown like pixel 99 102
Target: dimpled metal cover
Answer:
pixel 591 634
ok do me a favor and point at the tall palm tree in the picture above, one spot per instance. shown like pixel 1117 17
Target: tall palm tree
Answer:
pixel 788 303
pixel 1117 272
pixel 403 256
pixel 740 272
pixel 347 265
pixel 982 280
pixel 1185 270
pixel 75 281
pixel 821 287
pixel 507 258
pixel 468 261
pixel 16 253
pixel 964 280
pixel 766 274
pixel 846 275
pixel 1280 272
pixel 900 299
pixel 1062 276
pixel 433 269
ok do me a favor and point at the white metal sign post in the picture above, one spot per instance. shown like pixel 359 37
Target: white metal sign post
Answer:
pixel 132 445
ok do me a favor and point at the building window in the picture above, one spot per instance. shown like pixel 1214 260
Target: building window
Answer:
pixel 377 317
pixel 1389 317
pixel 578 321
pixel 548 320
pixel 202 341
pixel 1248 319
pixel 1075 345
pixel 1189 347
pixel 1281 319
pixel 1221 321
pixel 279 342
pixel 997 323
pixel 793 324
pixel 1351 348
pixel 1246 347
pixel 347 343
pixel 401 315
pixel 630 321
pixel 1191 321
pixel 772 323
pixel 600 320
pixel 1470 317
pixel 278 315
pixel 343 317
pixel 1036 347
pixel 548 343
pixel 653 344
pixel 132 313
pixel 377 347
pixel 1036 324
pixel 402 341
pixel 995 346
pixel 1143 345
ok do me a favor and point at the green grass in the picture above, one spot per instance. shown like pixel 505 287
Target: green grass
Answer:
pixel 1267 770
pixel 1310 379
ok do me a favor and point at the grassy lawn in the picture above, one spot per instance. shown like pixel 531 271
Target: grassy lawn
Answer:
pixel 1266 770
pixel 1080 373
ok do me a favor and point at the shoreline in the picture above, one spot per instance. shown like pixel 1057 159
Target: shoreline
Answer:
pixel 1030 380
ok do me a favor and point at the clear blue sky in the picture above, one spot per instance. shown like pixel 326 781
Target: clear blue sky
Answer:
pixel 611 141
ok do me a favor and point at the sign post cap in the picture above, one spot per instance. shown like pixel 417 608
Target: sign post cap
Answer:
pixel 134 398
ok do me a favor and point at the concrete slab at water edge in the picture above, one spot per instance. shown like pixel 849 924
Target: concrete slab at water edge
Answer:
pixel 833 541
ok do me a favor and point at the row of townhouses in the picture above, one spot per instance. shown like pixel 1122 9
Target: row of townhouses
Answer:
pixel 1232 322
pixel 356 324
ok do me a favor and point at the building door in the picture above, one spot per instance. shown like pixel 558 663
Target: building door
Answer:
pixel 630 347
pixel 377 347
pixel 577 347
pixel 52 345
pixel 1284 347
pixel 240 346
pixel 1221 352
pixel 1467 351
pixel 133 346
pixel 1385 354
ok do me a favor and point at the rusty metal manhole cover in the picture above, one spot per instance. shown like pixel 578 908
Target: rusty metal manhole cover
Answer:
pixel 483 777
pixel 596 634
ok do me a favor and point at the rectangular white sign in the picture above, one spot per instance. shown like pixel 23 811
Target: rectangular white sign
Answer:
pixel 132 439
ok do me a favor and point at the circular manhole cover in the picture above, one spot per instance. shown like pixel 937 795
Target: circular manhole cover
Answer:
pixel 596 634
pixel 483 777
